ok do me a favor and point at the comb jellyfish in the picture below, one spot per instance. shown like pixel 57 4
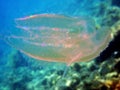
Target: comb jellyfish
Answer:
pixel 59 38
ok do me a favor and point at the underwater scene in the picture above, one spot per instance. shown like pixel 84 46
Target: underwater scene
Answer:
pixel 59 44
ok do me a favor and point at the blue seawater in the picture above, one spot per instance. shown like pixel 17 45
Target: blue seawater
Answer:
pixel 18 71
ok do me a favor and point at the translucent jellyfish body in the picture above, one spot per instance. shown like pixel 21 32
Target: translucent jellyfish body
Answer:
pixel 59 38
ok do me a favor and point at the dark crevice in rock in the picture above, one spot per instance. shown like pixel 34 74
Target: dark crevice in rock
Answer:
pixel 114 46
